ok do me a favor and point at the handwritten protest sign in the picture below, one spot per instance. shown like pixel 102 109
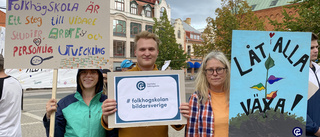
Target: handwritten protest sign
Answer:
pixel 57 34
pixel 146 98
pixel 269 83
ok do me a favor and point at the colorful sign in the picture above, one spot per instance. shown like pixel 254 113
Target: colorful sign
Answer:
pixel 269 83
pixel 146 98
pixel 57 34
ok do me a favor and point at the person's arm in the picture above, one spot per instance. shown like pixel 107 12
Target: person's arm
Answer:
pixel 184 110
pixel 46 124
pixel 60 126
pixel 192 125
pixel 312 127
pixel 108 108
pixel 51 107
pixel 60 122
pixel 317 133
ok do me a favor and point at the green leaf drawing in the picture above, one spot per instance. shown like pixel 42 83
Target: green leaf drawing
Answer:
pixel 258 87
pixel 269 63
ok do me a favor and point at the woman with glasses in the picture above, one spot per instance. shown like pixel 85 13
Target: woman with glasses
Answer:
pixel 209 105
pixel 79 114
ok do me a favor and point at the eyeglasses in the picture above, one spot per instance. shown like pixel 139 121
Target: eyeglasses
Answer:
pixel 218 71
pixel 91 72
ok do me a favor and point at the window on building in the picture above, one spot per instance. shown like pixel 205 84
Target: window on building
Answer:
pixel 119 5
pixel 189 70
pixel 189 50
pixel 119 28
pixel 162 11
pixel 132 49
pixel 274 3
pixel 149 28
pixel 179 34
pixel 134 9
pixel 119 48
pixel 148 11
pixel 180 46
pixel 198 37
pixel 135 28
pixel 253 6
pixel 191 36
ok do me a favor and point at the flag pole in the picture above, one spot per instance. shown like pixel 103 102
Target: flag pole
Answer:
pixel 54 93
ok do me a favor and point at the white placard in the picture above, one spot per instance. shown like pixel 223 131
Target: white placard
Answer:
pixel 146 98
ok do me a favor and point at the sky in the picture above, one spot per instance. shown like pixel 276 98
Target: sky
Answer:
pixel 197 10
pixel 2 3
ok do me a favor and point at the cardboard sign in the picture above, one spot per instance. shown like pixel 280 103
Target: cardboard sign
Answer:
pixel 57 34
pixel 146 98
pixel 269 83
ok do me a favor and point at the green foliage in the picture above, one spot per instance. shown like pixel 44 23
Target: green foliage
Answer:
pixel 233 15
pixel 264 124
pixel 307 18
pixel 168 48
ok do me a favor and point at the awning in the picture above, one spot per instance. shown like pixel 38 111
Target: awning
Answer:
pixel 190 65
pixel 197 65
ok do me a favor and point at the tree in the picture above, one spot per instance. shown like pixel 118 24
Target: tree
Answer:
pixel 233 15
pixel 306 19
pixel 168 48
pixel 207 43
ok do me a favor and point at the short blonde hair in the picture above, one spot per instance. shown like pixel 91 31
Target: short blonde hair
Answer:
pixel 202 84
pixel 146 35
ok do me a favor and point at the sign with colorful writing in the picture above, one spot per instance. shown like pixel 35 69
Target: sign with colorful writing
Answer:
pixel 146 98
pixel 269 83
pixel 57 34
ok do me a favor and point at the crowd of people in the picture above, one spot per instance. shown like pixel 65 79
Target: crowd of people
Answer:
pixel 85 113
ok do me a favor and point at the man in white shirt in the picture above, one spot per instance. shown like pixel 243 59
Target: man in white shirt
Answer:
pixel 10 104
pixel 313 110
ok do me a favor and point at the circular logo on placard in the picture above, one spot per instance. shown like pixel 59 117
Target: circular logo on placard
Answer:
pixel 141 85
pixel 297 131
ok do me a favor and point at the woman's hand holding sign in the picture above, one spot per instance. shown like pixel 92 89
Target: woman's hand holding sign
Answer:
pixel 184 109
pixel 51 107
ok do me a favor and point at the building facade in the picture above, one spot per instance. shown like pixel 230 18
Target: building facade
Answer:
pixel 128 18
pixel 2 19
pixel 193 37
pixel 187 37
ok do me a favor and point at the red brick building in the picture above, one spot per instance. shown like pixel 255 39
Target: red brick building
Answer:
pixel 2 19
pixel 272 9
